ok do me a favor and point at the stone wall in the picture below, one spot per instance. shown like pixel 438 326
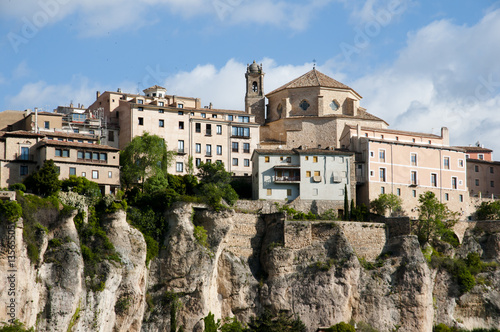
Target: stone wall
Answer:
pixel 367 239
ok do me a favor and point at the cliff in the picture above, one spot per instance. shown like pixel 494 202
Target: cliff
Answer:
pixel 250 263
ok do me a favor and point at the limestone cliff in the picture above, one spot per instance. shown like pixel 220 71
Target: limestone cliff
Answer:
pixel 252 262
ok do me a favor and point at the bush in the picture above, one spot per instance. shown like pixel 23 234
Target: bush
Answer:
pixel 44 182
pixel 200 235
pixel 341 327
pixel 17 186
pixel 10 211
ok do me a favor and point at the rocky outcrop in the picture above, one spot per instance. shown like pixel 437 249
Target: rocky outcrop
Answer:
pixel 249 263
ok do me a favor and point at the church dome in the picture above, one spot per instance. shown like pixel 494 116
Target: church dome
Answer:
pixel 254 67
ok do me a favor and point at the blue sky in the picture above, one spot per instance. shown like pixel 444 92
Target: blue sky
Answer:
pixel 419 65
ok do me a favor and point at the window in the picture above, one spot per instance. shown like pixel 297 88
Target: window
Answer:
pixel 446 197
pixel 315 191
pixel 95 156
pixel 72 171
pixel 413 178
pixel 467 156
pixel 181 124
pixel 140 101
pixel 110 174
pixel 304 105
pixel 447 162
pixel 92 132
pixel 244 119
pixel 79 155
pixel 140 109
pixel 461 198
pixel 197 127
pixel 397 138
pixel 46 124
pixel 382 190
pixel 180 146
pixel 219 149
pixel 197 162
pixel 434 180
pixel 372 154
pixel 95 174
pixel 308 174
pixel 398 191
pixel 382 174
pixel 246 162
pixel 180 105
pixel 209 129
pixel 198 148
pixel 481 156
pixel 111 136
pixel 65 153
pixel 88 155
pixel 381 155
pixel 180 112
pixel 381 136
pixel 219 130
pixel 413 158
pixel 235 161
pixel 315 159
pixel 23 170
pixel 240 132
pixel 491 170
pixel 266 159
pixel 84 174
pixel 58 170
pixel 317 173
pixel 246 147
pixel 209 149
pixel 289 192
pixel 269 192
pixel 160 103
pixel 454 182
pixel 372 173
pixel 58 152
pixel 492 184
pixel 235 147
pixel 460 163
pixel 414 193
pixel 141 121
pixel 476 168
pixel 76 131
pixel 306 157
pixel 214 116
pixel 477 182
pixel 179 167
pixel 208 161
pixel 203 115
pixel 334 105
pixel 230 118
pixel 161 123
pixel 25 153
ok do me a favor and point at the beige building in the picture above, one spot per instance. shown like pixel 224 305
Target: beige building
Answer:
pixel 312 111
pixel 28 120
pixel 24 152
pixel 408 164
pixel 204 133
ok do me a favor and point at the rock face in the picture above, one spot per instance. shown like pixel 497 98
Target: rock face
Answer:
pixel 249 263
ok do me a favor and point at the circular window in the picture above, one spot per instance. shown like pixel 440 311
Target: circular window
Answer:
pixel 334 105
pixel 304 105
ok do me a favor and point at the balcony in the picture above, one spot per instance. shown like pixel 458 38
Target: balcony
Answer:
pixel 286 179
pixel 26 157
pixel 181 151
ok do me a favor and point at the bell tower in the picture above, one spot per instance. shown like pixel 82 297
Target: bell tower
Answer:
pixel 255 102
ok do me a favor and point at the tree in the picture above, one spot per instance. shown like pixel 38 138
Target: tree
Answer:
pixel 45 181
pixel 488 211
pixel 143 157
pixel 434 218
pixel 279 323
pixel 346 204
pixel 215 185
pixel 341 327
pixel 82 186
pixel 210 324
pixel 386 202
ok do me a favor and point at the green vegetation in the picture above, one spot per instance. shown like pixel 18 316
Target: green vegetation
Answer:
pixel 82 186
pixel 267 322
pixel 144 157
pixel 10 211
pixel 201 237
pixel 17 186
pixel 435 219
pixel 341 327
pixel 17 326
pixel 444 328
pixel 386 202
pixel 44 182
pixel 122 304
pixel 488 211
pixel 215 185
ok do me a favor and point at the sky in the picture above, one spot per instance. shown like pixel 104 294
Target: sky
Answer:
pixel 419 65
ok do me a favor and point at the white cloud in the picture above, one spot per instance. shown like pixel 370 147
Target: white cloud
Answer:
pixel 447 75
pixel 22 70
pixel 382 11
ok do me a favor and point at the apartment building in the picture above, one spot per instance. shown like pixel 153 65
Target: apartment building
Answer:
pixel 77 119
pixel 205 134
pixel 24 152
pixel 408 164
pixel 28 120
pixel 311 174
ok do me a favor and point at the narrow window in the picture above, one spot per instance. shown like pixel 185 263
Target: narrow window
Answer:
pixel 72 171
pixel 454 182
pixel 179 166
pixel 161 123
pixel 382 174
pixel 219 149
pixel 414 178
pixel 95 174
pixel 235 161
pixel 413 159
pixel 246 162
pixel 266 159
pixel 235 147
pixel 447 162
pixel 434 180
pixel 197 127
pixel 219 130
pixel 141 121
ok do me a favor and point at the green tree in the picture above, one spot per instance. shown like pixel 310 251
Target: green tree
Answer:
pixel 341 327
pixel 386 202
pixel 232 325
pixel 82 186
pixel 434 218
pixel 488 211
pixel 279 323
pixel 346 204
pixel 210 324
pixel 143 157
pixel 155 183
pixel 215 185
pixel 45 181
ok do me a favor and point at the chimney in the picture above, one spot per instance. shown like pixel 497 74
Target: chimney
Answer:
pixel 445 135
pixel 98 94
pixel 210 106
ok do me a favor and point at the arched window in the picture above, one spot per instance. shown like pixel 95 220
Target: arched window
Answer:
pixel 255 87
pixel 304 105
pixel 279 110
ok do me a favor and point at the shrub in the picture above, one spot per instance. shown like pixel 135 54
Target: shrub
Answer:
pixel 200 235
pixel 17 186
pixel 341 327
pixel 10 211
pixel 44 182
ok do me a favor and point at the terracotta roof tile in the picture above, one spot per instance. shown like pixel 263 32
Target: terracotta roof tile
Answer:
pixel 311 79
pixel 474 149
pixel 80 145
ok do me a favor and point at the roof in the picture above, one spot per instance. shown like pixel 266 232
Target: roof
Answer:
pixel 302 150
pixel 154 87
pixel 474 149
pixel 79 145
pixel 20 133
pixel 313 78
pixel 68 135
pixel 400 132
pixel 45 113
